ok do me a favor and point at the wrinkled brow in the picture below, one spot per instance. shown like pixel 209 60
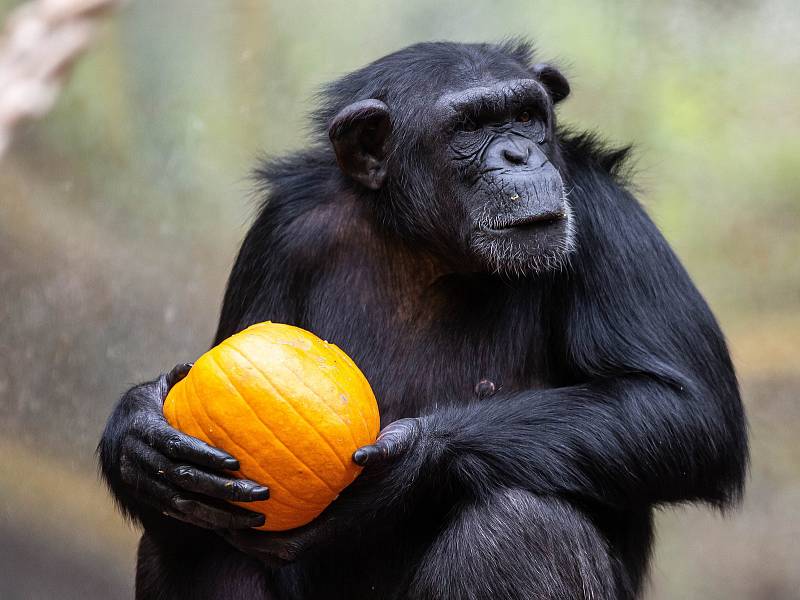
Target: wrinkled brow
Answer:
pixel 499 98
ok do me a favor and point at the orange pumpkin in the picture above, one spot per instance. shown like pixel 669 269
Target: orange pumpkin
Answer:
pixel 290 406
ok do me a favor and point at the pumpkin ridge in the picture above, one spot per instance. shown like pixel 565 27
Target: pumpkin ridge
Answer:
pixel 363 383
pixel 188 412
pixel 267 427
pixel 201 409
pixel 227 435
pixel 174 404
pixel 354 375
pixel 335 382
pixel 374 416
pixel 338 416
pixel 200 427
pixel 294 408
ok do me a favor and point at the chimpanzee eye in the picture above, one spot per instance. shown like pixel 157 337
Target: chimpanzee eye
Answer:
pixel 469 125
pixel 524 117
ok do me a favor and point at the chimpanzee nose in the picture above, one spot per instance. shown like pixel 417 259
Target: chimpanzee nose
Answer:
pixel 516 153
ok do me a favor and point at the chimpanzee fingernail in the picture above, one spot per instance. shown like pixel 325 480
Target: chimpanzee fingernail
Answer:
pixel 261 492
pixel 361 457
pixel 258 520
pixel 231 463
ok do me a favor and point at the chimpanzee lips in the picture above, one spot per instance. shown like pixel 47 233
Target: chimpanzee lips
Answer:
pixel 531 221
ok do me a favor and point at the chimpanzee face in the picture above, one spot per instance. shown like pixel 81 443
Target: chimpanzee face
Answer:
pixel 473 170
pixel 500 141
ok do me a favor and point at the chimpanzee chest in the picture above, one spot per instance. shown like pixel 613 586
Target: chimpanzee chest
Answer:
pixel 415 367
pixel 421 378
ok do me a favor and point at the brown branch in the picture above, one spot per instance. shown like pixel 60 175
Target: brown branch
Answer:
pixel 40 42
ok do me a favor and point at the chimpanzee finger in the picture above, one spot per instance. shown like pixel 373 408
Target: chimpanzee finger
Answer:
pixel 190 509
pixel 272 549
pixel 281 547
pixel 263 549
pixel 370 455
pixel 181 447
pixel 164 497
pixel 177 373
pixel 151 463
pixel 209 484
pixel 158 481
pixel 252 540
pixel 221 517
pixel 186 519
pixel 394 440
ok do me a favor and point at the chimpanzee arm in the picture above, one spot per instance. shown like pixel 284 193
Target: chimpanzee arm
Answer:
pixel 626 441
pixel 651 411
pixel 160 476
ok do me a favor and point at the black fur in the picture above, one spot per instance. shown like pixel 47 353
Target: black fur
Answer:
pixel 615 392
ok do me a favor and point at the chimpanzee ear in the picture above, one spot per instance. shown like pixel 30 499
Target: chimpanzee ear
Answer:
pixel 553 80
pixel 360 137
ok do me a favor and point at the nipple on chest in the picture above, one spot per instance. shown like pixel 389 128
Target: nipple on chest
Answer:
pixel 485 389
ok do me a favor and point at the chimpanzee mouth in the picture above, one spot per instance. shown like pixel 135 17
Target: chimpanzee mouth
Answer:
pixel 530 222
pixel 529 243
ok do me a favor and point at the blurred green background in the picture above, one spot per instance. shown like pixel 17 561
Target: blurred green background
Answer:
pixel 121 212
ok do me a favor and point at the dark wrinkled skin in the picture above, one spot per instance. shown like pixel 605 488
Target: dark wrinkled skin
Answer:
pixel 173 472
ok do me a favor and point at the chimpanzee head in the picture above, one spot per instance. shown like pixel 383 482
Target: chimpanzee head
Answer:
pixel 455 144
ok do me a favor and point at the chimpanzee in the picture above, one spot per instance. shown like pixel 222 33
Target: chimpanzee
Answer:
pixel 547 373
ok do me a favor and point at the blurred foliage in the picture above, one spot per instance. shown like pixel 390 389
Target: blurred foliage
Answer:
pixel 120 214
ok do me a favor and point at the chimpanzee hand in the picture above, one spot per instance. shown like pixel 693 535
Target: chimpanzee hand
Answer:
pixel 395 439
pixel 147 463
pixel 280 548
